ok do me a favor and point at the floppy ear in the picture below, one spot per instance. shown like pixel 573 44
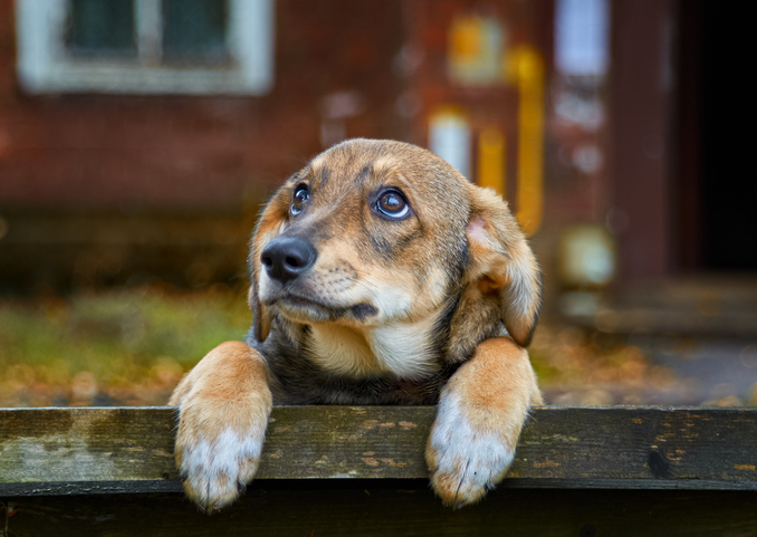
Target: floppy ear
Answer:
pixel 267 228
pixel 503 265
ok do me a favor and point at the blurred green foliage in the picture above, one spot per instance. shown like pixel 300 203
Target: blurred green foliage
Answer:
pixel 122 347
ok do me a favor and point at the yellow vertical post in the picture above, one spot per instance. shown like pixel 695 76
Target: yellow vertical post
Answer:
pixel 528 72
pixel 492 160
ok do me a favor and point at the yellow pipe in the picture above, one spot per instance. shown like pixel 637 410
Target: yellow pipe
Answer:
pixel 492 160
pixel 528 72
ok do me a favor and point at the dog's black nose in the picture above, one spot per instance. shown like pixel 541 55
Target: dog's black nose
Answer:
pixel 285 258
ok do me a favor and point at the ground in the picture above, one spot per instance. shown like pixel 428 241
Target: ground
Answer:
pixel 131 347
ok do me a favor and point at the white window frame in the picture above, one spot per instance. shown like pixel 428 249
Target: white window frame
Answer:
pixel 44 66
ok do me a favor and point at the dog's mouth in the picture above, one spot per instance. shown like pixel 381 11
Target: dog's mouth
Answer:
pixel 301 308
pixel 307 309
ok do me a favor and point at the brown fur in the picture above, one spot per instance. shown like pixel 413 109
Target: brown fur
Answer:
pixel 229 383
pixel 384 309
pixel 491 386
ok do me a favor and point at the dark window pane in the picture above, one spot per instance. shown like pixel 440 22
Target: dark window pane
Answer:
pixel 102 27
pixel 194 31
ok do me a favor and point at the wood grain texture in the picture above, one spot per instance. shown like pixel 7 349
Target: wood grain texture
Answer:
pixel 129 450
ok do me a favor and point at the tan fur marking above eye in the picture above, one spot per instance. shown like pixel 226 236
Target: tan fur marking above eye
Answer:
pixel 385 164
pixel 317 162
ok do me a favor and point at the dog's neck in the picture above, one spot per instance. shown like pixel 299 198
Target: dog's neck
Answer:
pixel 404 349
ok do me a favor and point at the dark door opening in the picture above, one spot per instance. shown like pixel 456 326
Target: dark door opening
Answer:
pixel 717 138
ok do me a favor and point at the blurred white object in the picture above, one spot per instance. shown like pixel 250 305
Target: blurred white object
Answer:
pixel 587 257
pixel 450 138
pixel 582 37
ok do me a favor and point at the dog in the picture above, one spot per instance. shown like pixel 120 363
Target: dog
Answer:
pixel 379 275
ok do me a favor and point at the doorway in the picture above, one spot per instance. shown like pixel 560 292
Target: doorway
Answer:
pixel 717 174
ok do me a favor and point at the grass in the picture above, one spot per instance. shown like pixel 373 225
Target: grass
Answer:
pixel 121 347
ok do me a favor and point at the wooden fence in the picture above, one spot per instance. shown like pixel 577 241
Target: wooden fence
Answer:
pixel 338 470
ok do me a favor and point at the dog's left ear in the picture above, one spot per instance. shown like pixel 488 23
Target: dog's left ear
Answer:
pixel 268 226
pixel 503 265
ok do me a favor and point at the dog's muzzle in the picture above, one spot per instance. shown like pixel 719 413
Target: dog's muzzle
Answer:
pixel 286 258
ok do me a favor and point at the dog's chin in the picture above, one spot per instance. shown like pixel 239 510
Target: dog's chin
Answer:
pixel 304 310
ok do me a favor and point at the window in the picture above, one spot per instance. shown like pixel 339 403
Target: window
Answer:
pixel 145 46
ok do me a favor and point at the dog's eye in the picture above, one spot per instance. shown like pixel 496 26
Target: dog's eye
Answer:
pixel 301 195
pixel 393 204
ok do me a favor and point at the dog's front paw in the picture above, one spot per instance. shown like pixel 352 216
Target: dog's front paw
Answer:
pixel 217 458
pixel 224 405
pixel 466 454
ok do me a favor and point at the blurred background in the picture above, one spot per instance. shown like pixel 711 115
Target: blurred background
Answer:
pixel 139 139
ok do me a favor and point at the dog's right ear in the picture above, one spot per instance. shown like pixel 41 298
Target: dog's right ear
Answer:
pixel 268 227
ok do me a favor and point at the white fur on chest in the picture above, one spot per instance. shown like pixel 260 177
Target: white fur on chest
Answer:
pixel 403 349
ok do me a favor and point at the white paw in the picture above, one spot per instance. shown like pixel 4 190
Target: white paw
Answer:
pixel 464 460
pixel 217 469
pixel 218 447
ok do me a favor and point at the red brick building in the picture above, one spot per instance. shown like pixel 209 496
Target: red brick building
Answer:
pixel 152 173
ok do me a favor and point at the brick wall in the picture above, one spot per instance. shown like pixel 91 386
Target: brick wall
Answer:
pixel 145 152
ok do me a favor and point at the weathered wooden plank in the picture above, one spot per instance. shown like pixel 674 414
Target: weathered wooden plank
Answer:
pixel 390 507
pixel 110 450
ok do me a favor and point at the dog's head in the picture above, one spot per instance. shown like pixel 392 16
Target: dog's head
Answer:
pixel 374 233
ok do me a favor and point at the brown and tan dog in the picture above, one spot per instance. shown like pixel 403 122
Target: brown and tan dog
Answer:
pixel 380 275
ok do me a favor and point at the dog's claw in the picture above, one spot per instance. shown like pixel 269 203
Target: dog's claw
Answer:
pixel 210 509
